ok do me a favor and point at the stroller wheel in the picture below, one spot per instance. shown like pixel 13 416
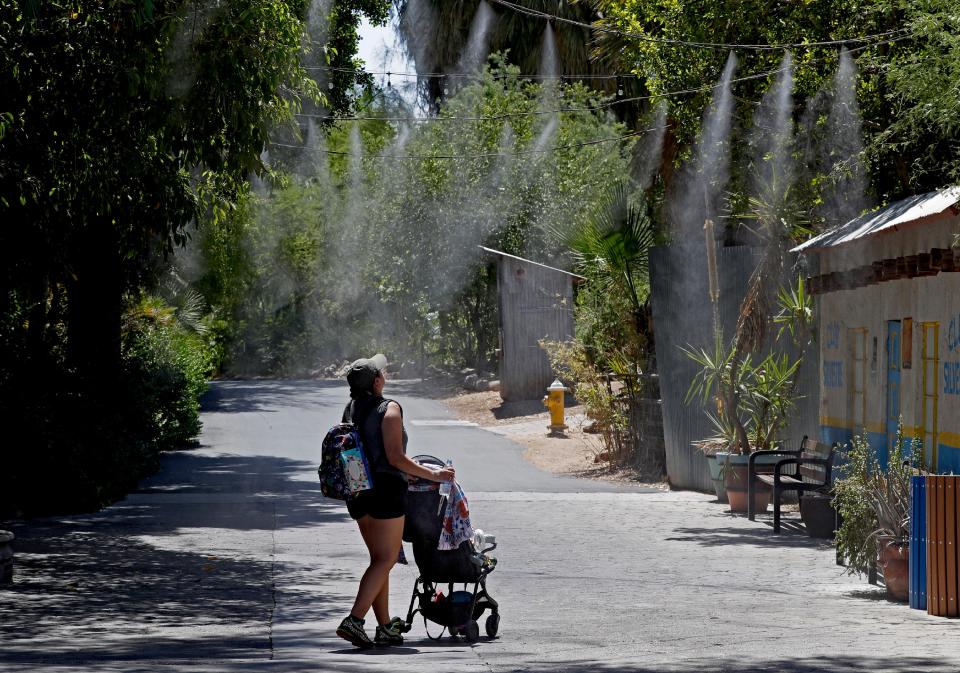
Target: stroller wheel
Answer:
pixel 492 625
pixel 471 632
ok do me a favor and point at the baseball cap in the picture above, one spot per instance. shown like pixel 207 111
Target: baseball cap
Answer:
pixel 362 372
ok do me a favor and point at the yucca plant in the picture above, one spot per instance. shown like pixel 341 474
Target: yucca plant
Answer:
pixel 770 400
pixel 753 399
pixel 723 376
pixel 723 439
pixel 890 494
pixel 796 312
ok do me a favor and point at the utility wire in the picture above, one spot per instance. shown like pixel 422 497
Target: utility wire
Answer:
pixel 531 113
pixel 427 157
pixel 594 108
pixel 520 9
pixel 462 75
pixel 508 115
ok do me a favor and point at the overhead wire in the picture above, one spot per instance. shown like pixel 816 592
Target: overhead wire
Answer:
pixel 529 113
pixel 618 100
pixel 602 105
pixel 726 46
pixel 462 75
pixel 508 115
pixel 864 43
pixel 480 155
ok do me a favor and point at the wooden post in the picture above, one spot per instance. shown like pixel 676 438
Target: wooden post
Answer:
pixel 950 544
pixel 941 546
pixel 933 604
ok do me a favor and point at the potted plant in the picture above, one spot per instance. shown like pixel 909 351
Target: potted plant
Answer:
pixel 753 401
pixel 752 398
pixel 716 449
pixel 818 513
pixel 721 380
pixel 715 458
pixel 874 506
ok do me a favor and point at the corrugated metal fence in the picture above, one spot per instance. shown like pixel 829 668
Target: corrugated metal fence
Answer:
pixel 683 316
pixel 536 302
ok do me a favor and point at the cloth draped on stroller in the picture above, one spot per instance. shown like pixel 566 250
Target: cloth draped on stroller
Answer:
pixel 466 563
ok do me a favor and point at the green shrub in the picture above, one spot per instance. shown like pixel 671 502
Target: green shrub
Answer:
pixel 166 369
pixel 874 503
pixel 77 445
pixel 571 363
pixel 853 503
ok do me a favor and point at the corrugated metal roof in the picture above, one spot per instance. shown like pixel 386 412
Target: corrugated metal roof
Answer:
pixel 885 219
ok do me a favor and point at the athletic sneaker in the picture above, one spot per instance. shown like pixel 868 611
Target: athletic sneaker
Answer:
pixel 351 629
pixel 389 633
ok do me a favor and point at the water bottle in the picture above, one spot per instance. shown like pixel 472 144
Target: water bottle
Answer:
pixel 445 485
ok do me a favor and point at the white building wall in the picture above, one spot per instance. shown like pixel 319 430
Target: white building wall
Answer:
pixel 849 316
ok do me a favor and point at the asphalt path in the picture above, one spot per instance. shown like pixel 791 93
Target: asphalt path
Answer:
pixel 229 559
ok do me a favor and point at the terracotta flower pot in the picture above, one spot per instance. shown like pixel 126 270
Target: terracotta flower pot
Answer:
pixel 735 481
pixel 894 559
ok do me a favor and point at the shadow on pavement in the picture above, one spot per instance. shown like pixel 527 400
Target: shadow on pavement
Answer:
pixel 520 408
pixel 85 589
pixel 239 493
pixel 267 395
pixel 760 537
pixel 825 664
pixel 182 568
pixel 228 396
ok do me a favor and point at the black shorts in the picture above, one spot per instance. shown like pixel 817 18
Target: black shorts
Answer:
pixel 386 500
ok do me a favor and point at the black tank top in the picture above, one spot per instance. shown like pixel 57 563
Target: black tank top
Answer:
pixel 368 413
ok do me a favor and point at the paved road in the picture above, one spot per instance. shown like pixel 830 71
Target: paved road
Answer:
pixel 230 560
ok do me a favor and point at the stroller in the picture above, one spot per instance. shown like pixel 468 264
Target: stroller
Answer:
pixel 458 611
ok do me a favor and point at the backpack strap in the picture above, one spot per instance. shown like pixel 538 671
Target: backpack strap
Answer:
pixel 349 410
pixel 358 422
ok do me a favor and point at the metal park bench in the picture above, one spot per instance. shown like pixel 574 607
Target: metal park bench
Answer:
pixel 808 469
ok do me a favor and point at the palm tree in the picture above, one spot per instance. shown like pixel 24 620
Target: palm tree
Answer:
pixel 614 246
pixel 612 250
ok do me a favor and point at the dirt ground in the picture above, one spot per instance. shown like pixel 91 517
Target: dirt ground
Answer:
pixel 575 454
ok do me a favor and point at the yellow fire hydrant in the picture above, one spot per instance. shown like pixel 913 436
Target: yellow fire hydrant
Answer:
pixel 553 401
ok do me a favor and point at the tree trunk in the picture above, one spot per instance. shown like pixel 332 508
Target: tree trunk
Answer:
pixel 94 310
pixel 670 151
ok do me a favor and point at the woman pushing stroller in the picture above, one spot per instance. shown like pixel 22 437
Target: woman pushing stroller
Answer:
pixel 380 511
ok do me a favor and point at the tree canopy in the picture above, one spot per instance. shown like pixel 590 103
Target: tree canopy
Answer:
pixel 383 234
pixel 906 52
pixel 135 134
pixel 122 123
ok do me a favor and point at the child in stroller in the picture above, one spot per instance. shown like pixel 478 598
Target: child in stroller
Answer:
pixel 458 611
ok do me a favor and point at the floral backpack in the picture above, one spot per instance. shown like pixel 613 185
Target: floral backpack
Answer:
pixel 344 471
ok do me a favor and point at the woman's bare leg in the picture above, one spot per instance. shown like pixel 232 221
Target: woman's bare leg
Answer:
pixel 383 538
